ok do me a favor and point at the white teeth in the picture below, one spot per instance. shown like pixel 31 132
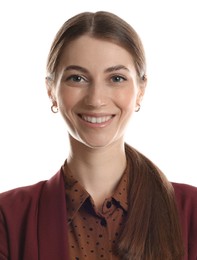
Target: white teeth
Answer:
pixel 96 120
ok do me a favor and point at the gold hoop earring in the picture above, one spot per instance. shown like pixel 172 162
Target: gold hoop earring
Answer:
pixel 54 109
pixel 138 109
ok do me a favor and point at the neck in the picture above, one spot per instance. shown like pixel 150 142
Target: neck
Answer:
pixel 97 169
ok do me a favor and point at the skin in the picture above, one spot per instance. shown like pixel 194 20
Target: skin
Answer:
pixel 97 91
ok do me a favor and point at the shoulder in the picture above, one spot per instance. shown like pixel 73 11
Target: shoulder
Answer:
pixel 186 200
pixel 29 195
pixel 18 207
pixel 185 194
pixel 23 210
pixel 20 191
pixel 20 196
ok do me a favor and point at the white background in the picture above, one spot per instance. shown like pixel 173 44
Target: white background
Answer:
pixel 33 141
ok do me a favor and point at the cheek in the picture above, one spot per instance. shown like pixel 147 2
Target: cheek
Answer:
pixel 126 99
pixel 66 99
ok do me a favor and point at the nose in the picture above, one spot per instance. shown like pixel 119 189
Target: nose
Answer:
pixel 96 96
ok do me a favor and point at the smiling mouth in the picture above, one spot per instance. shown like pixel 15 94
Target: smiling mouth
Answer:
pixel 96 120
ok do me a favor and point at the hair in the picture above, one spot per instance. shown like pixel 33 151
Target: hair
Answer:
pixel 101 25
pixel 152 230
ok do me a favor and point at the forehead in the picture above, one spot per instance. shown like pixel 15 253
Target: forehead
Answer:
pixel 87 50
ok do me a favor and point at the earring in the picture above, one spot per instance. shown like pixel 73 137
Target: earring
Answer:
pixel 138 108
pixel 54 109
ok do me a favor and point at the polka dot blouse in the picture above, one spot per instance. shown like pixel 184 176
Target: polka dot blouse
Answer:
pixel 93 233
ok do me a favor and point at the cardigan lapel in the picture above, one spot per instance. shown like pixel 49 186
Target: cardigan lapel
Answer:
pixel 52 224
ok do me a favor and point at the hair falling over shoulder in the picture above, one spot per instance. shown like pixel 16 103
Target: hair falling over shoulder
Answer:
pixel 152 230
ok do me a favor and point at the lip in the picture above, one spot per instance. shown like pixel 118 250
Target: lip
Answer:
pixel 96 120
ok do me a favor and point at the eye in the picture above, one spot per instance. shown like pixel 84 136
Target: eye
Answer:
pixel 118 78
pixel 76 78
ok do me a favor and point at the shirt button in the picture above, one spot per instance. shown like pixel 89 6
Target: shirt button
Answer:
pixel 103 222
pixel 108 204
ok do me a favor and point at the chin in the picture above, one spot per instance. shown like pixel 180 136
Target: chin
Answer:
pixel 98 144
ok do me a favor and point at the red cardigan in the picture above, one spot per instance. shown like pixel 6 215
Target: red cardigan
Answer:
pixel 33 221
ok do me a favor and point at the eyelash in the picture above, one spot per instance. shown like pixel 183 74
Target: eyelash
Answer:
pixel 121 78
pixel 76 78
pixel 79 79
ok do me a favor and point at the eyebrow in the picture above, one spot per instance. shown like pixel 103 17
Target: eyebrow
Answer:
pixel 115 68
pixel 84 70
pixel 75 67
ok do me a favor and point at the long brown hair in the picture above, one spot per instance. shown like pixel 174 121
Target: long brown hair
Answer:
pixel 152 229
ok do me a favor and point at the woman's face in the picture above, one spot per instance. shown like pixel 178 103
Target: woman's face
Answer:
pixel 96 91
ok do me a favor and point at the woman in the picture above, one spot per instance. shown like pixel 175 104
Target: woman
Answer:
pixel 108 201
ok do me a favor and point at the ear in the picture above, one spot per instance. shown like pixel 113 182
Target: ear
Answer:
pixel 140 95
pixel 141 92
pixel 50 90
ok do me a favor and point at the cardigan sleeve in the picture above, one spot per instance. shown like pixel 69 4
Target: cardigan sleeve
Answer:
pixel 3 239
pixel 18 222
pixel 186 199
pixel 33 222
